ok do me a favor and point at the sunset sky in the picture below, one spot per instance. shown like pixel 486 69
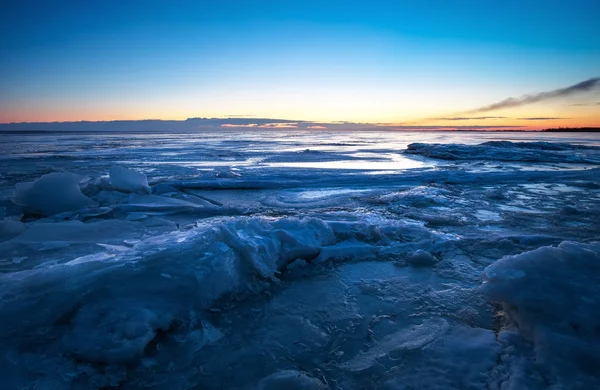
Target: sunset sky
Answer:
pixel 433 63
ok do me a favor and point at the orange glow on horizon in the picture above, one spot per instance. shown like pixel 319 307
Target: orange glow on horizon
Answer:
pixel 563 116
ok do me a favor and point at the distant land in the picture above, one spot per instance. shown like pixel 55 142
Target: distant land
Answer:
pixel 236 123
pixel 574 130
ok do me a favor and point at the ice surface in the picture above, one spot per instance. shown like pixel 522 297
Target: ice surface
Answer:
pixel 128 180
pixel 299 260
pixel 466 356
pixel 405 339
pixel 51 194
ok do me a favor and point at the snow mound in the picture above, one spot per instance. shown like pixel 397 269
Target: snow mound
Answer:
pixel 127 180
pixel 510 151
pixel 51 194
pixel 551 295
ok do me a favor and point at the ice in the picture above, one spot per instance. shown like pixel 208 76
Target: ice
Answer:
pixel 98 337
pixel 550 296
pixel 128 180
pixel 11 227
pixel 406 339
pixel 421 258
pixel 510 151
pixel 51 194
pixel 290 379
pixel 76 231
pixel 300 260
pixel 462 358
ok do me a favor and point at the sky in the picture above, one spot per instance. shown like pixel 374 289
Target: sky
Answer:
pixel 410 63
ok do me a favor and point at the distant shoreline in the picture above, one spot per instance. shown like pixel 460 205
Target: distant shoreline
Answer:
pixel 228 130
pixel 228 125
pixel 574 130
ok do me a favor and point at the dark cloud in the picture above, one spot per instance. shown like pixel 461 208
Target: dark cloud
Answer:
pixel 466 118
pixel 583 86
pixel 539 119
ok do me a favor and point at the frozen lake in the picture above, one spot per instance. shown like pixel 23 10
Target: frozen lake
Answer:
pixel 300 260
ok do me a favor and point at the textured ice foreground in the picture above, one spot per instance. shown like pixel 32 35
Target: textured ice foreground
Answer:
pixel 299 261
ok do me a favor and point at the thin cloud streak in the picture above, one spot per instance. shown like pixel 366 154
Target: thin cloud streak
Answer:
pixel 586 104
pixel 583 86
pixel 540 119
pixel 466 118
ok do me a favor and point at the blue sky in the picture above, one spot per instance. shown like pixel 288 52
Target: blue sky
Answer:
pixel 375 61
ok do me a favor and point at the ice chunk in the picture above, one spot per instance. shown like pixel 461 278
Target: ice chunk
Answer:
pixel 226 173
pixel 268 247
pixel 11 227
pixel 553 285
pixel 128 180
pixel 551 295
pixel 421 258
pixel 52 194
pixel 290 380
pixel 112 334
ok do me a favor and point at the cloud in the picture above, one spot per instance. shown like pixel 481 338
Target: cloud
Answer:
pixel 280 125
pixel 274 125
pixel 583 86
pixel 239 125
pixel 317 127
pixel 539 119
pixel 586 104
pixel 466 118
pixel 471 127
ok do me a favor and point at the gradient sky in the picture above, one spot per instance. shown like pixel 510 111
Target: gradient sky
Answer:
pixel 363 61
